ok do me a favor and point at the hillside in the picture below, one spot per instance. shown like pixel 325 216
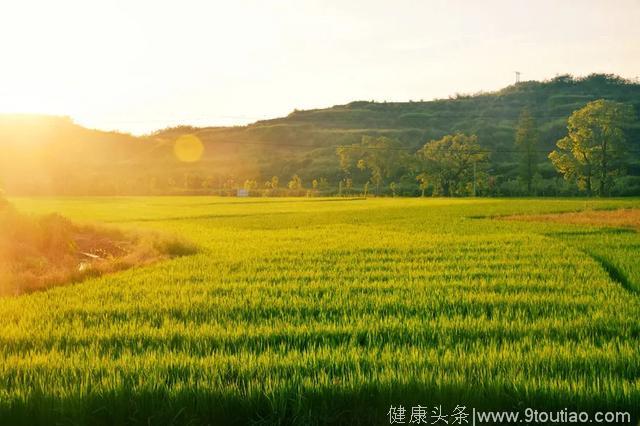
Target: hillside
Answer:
pixel 52 155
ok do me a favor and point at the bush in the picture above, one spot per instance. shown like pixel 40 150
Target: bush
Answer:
pixel 626 185
pixel 39 252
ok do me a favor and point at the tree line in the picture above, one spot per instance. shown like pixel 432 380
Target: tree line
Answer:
pixel 592 156
pixel 590 160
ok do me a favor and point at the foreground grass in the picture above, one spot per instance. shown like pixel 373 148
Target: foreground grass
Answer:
pixel 607 236
pixel 313 311
pixel 40 252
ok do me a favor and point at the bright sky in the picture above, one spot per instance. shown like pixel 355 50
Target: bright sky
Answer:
pixel 139 65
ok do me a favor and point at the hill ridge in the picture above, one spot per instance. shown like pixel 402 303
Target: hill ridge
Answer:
pixel 71 159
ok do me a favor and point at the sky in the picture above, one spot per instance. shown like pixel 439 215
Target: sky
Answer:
pixel 141 65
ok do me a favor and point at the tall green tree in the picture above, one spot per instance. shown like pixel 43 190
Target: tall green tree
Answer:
pixel 595 148
pixel 527 146
pixel 453 163
pixel 382 157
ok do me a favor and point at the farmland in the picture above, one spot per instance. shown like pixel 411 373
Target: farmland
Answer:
pixel 313 311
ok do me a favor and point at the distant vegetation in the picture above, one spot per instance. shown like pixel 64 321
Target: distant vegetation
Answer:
pixel 515 129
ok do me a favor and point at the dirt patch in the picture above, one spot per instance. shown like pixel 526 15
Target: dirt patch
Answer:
pixel 623 218
pixel 39 252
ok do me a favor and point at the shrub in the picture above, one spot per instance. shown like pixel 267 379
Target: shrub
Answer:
pixel 39 252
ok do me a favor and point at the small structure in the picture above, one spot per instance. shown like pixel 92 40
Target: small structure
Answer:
pixel 243 192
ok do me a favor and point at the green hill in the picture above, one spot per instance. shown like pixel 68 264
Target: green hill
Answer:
pixel 52 155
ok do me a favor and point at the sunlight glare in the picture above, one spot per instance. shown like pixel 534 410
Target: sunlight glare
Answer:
pixel 188 148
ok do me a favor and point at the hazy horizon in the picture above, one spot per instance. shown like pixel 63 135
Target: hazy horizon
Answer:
pixel 138 67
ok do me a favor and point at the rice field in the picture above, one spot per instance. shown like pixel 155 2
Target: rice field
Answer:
pixel 328 311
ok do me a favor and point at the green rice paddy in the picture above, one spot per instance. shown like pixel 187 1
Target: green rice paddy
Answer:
pixel 323 311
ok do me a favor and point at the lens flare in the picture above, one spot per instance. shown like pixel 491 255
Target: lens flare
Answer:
pixel 188 148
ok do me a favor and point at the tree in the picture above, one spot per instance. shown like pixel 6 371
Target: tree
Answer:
pixel 452 163
pixel 250 185
pixel 273 184
pixel 423 178
pixel 594 150
pixel 192 181
pixel 382 157
pixel 527 144
pixel 295 184
pixel 348 185
pixel 209 182
pixel 230 186
pixel 393 186
pixel 323 184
